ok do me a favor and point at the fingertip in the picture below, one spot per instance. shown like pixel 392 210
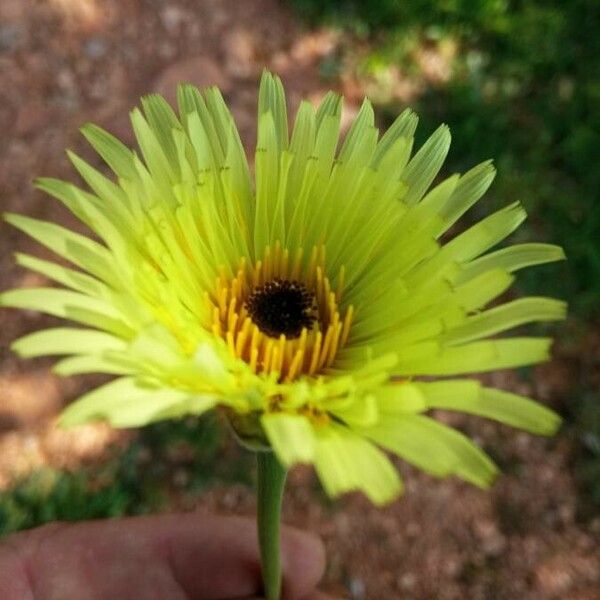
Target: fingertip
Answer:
pixel 303 562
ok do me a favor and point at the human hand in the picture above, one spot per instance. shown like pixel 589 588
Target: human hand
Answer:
pixel 166 557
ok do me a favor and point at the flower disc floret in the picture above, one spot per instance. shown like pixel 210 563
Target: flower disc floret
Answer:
pixel 281 307
pixel 282 315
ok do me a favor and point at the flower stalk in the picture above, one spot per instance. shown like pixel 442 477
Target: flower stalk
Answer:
pixel 271 482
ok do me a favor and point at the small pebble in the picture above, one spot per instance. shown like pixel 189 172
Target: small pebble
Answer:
pixel 407 581
pixel 95 48
pixel 357 589
pixel 10 36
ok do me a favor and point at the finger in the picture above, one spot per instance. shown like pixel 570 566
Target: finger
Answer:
pixel 303 563
pixel 199 548
pixel 207 557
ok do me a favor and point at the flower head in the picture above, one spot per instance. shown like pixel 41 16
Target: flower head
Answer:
pixel 307 305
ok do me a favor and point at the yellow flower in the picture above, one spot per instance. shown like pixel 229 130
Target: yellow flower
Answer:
pixel 306 305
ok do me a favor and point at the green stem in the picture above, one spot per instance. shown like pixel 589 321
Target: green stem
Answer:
pixel 271 481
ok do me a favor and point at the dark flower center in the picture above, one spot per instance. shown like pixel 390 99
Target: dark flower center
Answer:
pixel 280 307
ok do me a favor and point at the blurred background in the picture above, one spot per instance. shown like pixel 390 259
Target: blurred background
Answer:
pixel 518 81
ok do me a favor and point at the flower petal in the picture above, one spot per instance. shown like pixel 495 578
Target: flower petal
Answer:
pixel 125 402
pixel 78 249
pixel 425 164
pixel 66 340
pixel 271 99
pixel 435 448
pixel 80 282
pixel 470 397
pixel 400 398
pixel 476 357
pixel 346 462
pixel 92 363
pixel 512 259
pixel 116 155
pixel 291 436
pixel 471 186
pixel 94 312
pixel 485 234
pixel 506 316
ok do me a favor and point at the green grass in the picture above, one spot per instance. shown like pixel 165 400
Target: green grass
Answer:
pixel 132 481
